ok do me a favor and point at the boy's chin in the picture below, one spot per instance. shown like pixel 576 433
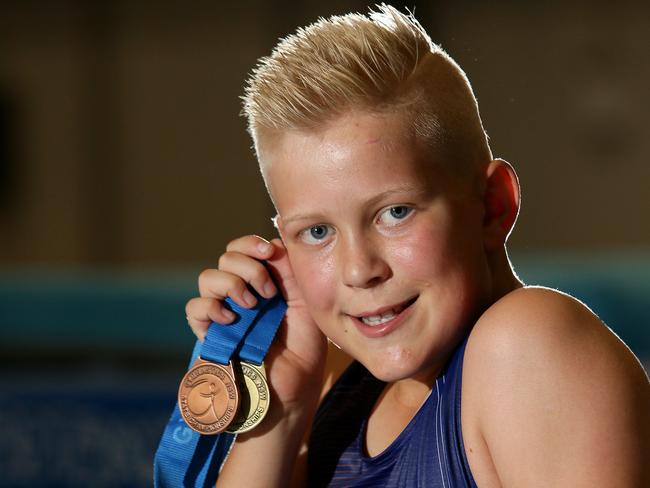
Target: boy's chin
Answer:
pixel 391 370
pixel 388 372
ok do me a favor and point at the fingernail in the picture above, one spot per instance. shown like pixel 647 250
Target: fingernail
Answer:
pixel 264 247
pixel 249 298
pixel 269 289
pixel 228 314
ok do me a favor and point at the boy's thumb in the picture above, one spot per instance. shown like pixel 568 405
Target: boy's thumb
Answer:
pixel 281 270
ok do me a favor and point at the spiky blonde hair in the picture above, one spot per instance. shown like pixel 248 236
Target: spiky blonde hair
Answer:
pixel 380 62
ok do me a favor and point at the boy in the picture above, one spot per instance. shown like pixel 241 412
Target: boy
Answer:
pixel 393 217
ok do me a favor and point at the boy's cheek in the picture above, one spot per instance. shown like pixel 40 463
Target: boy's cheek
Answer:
pixel 314 275
pixel 421 254
pixel 415 251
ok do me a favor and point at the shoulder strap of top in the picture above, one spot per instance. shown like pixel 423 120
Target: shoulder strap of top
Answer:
pixel 339 419
pixel 451 429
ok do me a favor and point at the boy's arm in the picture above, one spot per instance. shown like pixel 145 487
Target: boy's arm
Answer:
pixel 275 454
pixel 554 397
pixel 267 455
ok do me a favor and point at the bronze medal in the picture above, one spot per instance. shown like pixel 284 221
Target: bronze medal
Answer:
pixel 208 398
pixel 254 397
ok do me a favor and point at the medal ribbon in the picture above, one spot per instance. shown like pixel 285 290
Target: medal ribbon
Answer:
pixel 184 457
pixel 222 340
pixel 259 338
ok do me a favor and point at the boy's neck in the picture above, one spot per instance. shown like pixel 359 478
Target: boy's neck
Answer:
pixel 411 392
pixel 396 406
pixel 504 279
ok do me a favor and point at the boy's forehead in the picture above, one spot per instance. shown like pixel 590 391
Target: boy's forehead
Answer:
pixel 380 123
pixel 335 140
pixel 375 152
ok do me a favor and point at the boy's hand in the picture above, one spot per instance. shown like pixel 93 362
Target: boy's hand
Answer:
pixel 296 358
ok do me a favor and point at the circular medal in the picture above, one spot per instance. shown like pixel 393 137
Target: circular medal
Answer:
pixel 254 397
pixel 208 398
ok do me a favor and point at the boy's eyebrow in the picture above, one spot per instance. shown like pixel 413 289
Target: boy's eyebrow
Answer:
pixel 372 201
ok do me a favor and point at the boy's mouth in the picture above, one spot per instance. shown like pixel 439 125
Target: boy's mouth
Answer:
pixel 385 314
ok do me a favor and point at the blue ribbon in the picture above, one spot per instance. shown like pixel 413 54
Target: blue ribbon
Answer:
pixel 184 457
pixel 259 338
pixel 222 340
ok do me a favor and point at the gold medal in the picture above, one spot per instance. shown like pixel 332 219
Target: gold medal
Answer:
pixel 254 397
pixel 208 398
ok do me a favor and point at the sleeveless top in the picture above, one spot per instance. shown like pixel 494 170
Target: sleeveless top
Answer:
pixel 429 452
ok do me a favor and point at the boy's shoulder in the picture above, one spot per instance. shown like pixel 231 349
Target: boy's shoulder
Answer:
pixel 546 384
pixel 540 330
pixel 532 313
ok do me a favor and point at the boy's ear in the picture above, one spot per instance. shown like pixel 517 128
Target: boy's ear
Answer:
pixel 277 223
pixel 501 201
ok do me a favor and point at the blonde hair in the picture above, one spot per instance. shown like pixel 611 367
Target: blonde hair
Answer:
pixel 381 62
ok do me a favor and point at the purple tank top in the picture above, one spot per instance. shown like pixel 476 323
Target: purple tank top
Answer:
pixel 428 453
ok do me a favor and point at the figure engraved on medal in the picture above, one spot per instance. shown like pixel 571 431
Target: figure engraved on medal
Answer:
pixel 208 398
pixel 254 397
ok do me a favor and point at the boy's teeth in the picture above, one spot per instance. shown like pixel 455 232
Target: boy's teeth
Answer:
pixel 383 318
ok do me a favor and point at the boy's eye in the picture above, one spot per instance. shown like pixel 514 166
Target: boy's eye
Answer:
pixel 316 233
pixel 393 215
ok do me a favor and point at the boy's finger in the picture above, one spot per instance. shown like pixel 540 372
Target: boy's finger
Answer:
pixel 201 312
pixel 214 283
pixel 199 328
pixel 251 245
pixel 279 262
pixel 251 270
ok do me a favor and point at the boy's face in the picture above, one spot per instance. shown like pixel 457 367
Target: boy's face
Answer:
pixel 385 245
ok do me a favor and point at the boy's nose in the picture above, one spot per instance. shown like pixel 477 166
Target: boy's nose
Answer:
pixel 361 264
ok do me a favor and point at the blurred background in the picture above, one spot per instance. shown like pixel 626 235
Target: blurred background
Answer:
pixel 125 168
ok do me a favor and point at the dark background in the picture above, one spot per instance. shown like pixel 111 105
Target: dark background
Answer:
pixel 125 169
